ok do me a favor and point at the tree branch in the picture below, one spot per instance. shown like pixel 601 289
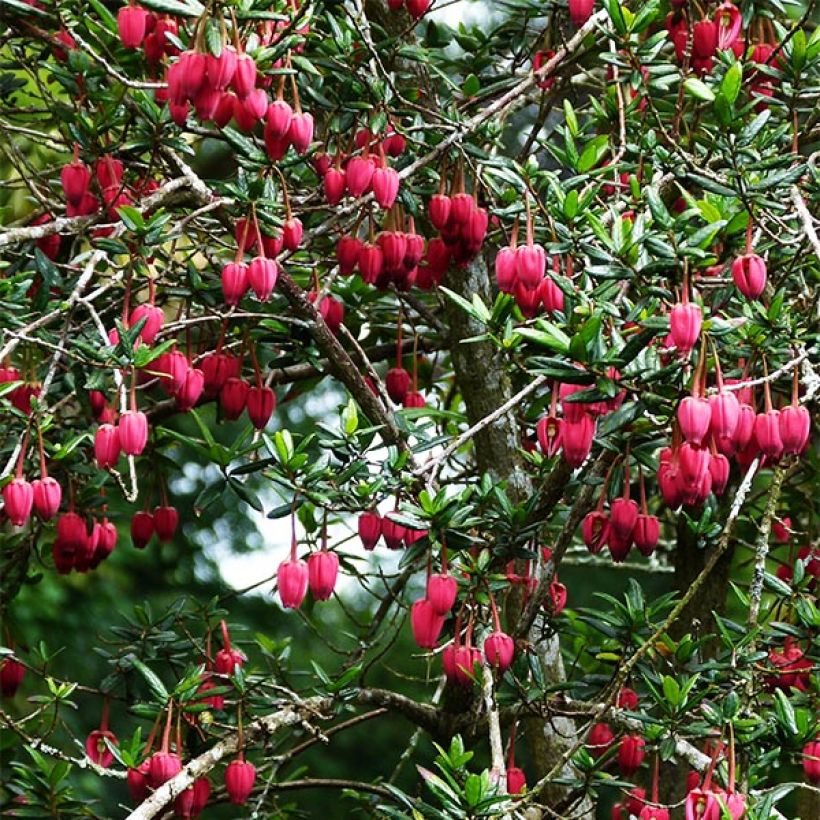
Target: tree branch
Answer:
pixel 288 715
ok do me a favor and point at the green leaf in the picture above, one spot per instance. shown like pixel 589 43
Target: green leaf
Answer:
pixel 131 217
pixel 471 86
pixel 183 8
pixel 213 38
pixel 24 8
pixel 730 86
pixel 616 14
pixel 572 120
pixel 593 153
pixel 245 494
pixel 785 712
pixel 548 335
pixel 154 683
pixel 671 691
pixel 697 88
pixel 748 134
pixel 350 418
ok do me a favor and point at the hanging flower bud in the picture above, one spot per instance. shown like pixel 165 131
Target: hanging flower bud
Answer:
pixel 426 623
pixel 292 232
pixel 133 432
pixel 292 580
pixel 348 249
pixel 499 649
pixel 628 699
pixel 749 275
pixel 631 754
pixel 323 569
pixel 719 470
pixel 619 545
pixel 172 368
pixel 685 322
pixel 359 173
pixel 370 529
pixel 646 533
pixel 239 779
pixel 154 319
pixel 439 210
pixel 163 767
pixel 75 178
pixel 694 417
pixel 385 184
pixel 516 780
pixel 106 446
pixel 142 528
pixel 220 70
pixel 580 11
pixel 234 282
pixel 193 66
pixel 531 263
pixel 131 22
pixel 233 398
pixel 262 276
pixel 811 761
pixel 277 119
pixel 105 536
pixel 244 77
pixel 261 402
pixel 371 262
pixel 166 521
pixel 743 434
pixel 767 434
pixel 228 658
pixel 300 132
pixel 191 389
pixel 576 439
pixel 704 39
pixel 417 8
pixel 12 673
pixel 202 791
pixel 623 517
pixel 18 497
pixel 724 415
pixel 46 496
pixel 600 739
pixel 137 780
pixel 393 533
pixel 397 382
pixel 795 427
pixel 442 590
pixel 466 659
pixel 506 269
pixel 335 183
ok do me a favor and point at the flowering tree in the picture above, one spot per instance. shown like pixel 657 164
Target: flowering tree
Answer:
pixel 553 270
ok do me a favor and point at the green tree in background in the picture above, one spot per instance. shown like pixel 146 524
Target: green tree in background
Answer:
pixel 405 409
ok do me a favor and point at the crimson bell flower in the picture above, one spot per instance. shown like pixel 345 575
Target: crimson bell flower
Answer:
pixel 240 776
pixel 426 624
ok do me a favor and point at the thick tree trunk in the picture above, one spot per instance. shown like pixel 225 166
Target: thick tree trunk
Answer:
pixel 484 385
pixel 698 616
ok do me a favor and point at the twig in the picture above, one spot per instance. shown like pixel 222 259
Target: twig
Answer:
pixel 463 438
pixel 494 728
pixel 762 546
